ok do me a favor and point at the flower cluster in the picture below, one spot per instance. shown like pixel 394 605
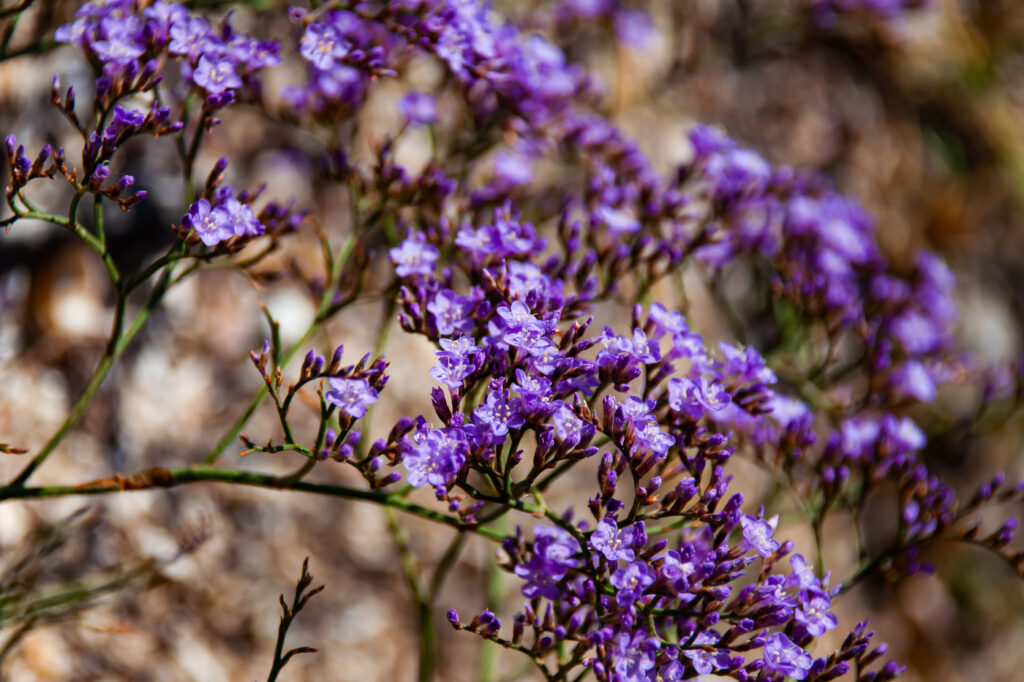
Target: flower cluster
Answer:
pixel 128 40
pixel 661 570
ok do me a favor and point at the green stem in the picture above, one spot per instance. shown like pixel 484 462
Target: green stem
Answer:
pixel 495 589
pixel 106 362
pixel 410 570
pixel 169 478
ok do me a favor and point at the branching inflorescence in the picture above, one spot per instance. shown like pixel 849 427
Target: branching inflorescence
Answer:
pixel 663 571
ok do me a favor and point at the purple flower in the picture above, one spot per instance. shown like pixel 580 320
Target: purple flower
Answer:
pixel 535 392
pixel 457 360
pixel 191 37
pixel 634 657
pixel 638 349
pixel 215 75
pixel 418 107
pixel 914 380
pixel 650 437
pixel 212 226
pixel 414 256
pixel 802 576
pixel 512 169
pixel 631 581
pixel 568 427
pixel 255 54
pixel 677 570
pixel 323 45
pixel 451 312
pixel 745 364
pixel 554 550
pixel 783 657
pixel 916 333
pixel 704 661
pixel 240 217
pixel 125 118
pixel 353 396
pixel 436 457
pixel 499 414
pixel 615 543
pixel 119 50
pixel 617 222
pixel 758 534
pixel 162 15
pixel 695 398
pixel 858 436
pixel 814 613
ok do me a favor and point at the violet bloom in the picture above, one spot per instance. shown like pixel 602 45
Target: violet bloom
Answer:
pixel 353 396
pixel 190 37
pixel 436 458
pixel 914 380
pixel 125 118
pixel 162 15
pixel 535 392
pixel 255 54
pixel 695 398
pixel 451 312
pixel 676 570
pixel 615 543
pixel 666 321
pixel 212 226
pixel 758 534
pixel 814 613
pixel 568 427
pixel 917 333
pixel 634 657
pixel 545 356
pixel 457 359
pixel 522 329
pixel 638 348
pixel 783 657
pixel 414 256
pixel 512 169
pixel 746 364
pixel 554 553
pixel 119 50
pixel 215 75
pixel 499 415
pixel 240 217
pixel 802 576
pixel 650 437
pixel 704 661
pixel 482 244
pixel 418 107
pixel 631 581
pixel 323 45
pixel 858 436
pixel 617 222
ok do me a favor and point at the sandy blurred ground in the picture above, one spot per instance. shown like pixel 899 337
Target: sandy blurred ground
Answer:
pixel 924 125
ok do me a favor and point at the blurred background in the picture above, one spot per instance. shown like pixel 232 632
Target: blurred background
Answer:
pixel 919 116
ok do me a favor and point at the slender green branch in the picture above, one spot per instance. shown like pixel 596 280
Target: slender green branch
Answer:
pixel 170 478
pixel 495 589
pixel 425 617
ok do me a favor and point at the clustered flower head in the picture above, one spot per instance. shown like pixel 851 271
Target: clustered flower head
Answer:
pixel 663 571
pixel 129 40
